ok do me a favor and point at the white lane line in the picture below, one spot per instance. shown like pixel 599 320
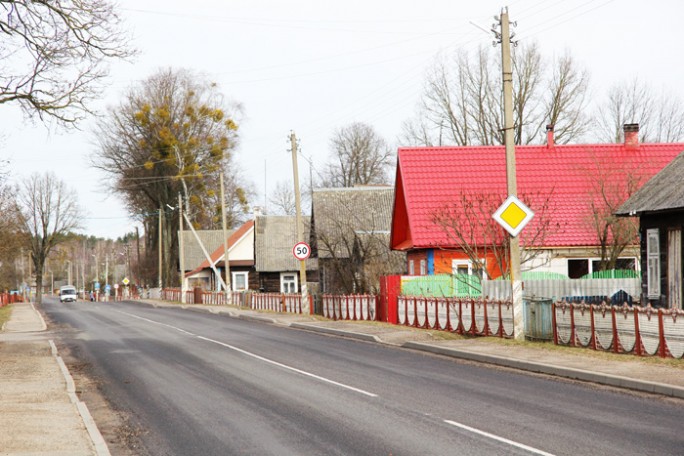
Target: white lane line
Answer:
pixel 255 356
pixel 500 439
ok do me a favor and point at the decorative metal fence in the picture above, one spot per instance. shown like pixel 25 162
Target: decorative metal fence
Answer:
pixel 637 330
pixel 350 307
pixel 9 298
pixel 464 316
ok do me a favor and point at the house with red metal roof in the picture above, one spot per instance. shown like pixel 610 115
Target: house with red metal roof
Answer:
pixel 445 196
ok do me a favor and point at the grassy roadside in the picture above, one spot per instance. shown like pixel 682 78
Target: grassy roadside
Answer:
pixel 5 313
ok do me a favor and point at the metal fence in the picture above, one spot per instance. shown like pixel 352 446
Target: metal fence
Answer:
pixel 350 307
pixel 9 298
pixel 637 330
pixel 476 317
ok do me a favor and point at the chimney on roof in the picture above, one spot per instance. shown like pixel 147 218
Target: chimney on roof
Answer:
pixel 549 136
pixel 631 134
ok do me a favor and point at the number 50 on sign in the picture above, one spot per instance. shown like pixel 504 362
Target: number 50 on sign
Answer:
pixel 301 251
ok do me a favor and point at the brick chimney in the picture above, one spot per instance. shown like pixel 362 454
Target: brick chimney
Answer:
pixel 631 134
pixel 549 137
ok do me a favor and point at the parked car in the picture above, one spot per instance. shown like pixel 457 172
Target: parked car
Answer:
pixel 67 293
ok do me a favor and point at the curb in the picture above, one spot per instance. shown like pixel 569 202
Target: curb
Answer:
pixel 558 371
pixel 42 320
pixel 101 448
pixel 337 332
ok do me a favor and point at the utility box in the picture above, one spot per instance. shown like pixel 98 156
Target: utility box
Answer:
pixel 538 318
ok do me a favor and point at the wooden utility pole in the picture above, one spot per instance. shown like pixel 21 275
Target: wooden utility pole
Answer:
pixel 226 256
pixel 181 253
pixel 300 225
pixel 509 141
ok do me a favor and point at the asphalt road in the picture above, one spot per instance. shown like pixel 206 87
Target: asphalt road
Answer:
pixel 202 384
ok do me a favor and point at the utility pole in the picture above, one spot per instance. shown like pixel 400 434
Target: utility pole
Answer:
pixel 300 226
pixel 514 266
pixel 161 213
pixel 226 256
pixel 181 254
pixel 137 246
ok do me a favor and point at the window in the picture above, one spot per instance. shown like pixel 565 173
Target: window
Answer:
pixel 423 267
pixel 288 282
pixel 578 268
pixel 240 281
pixel 653 258
pixel 465 282
pixel 412 268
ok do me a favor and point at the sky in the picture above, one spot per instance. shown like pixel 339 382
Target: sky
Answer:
pixel 312 67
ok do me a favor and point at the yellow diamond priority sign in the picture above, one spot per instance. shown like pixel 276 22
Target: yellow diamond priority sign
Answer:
pixel 513 215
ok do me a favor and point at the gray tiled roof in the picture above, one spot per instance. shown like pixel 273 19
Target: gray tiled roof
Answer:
pixel 664 191
pixel 212 240
pixel 274 238
pixel 340 212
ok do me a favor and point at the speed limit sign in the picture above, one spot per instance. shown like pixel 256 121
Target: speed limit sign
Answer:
pixel 301 251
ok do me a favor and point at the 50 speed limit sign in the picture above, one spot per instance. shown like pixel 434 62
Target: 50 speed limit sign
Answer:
pixel 301 251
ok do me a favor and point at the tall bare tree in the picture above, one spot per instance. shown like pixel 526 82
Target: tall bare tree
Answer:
pixel 49 212
pixel 282 199
pixel 172 135
pixel 359 156
pixel 54 53
pixel 660 115
pixel 461 103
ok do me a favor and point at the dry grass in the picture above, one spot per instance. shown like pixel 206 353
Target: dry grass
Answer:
pixel 5 313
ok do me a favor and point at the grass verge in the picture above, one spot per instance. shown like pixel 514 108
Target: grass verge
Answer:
pixel 5 313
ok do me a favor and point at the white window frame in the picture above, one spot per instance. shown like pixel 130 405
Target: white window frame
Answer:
pixel 233 282
pixel 653 262
pixel 412 268
pixel 294 281
pixel 423 267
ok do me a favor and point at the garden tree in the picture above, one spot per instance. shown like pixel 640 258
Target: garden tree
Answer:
pixel 468 227
pixel 49 212
pixel 174 134
pixel 609 187
pixel 359 156
pixel 12 238
pixel 462 104
pixel 53 55
pixel 660 116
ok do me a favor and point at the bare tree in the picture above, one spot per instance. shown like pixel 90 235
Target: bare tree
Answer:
pixel 468 227
pixel 351 239
pixel 283 199
pixel 359 157
pixel 53 55
pixel 609 187
pixel 50 211
pixel 461 102
pixel 660 116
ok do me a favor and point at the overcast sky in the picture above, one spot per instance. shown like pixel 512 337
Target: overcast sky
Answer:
pixel 314 66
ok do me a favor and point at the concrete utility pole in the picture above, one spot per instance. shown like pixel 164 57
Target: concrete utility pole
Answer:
pixel 181 253
pixel 161 212
pixel 226 256
pixel 514 267
pixel 300 225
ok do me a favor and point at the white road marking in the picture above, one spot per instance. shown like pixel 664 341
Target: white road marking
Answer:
pixel 255 356
pixel 500 439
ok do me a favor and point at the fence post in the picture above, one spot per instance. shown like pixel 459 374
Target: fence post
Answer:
pixel 573 334
pixel 616 340
pixel 553 322
pixel 593 327
pixel 661 335
pixel 637 333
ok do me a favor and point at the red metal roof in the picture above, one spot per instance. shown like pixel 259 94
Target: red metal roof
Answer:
pixel 429 179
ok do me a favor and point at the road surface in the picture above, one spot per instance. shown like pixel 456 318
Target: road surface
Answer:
pixel 204 384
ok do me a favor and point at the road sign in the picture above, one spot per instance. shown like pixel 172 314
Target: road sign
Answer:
pixel 108 287
pixel 126 281
pixel 116 286
pixel 513 215
pixel 301 251
pixel 97 285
